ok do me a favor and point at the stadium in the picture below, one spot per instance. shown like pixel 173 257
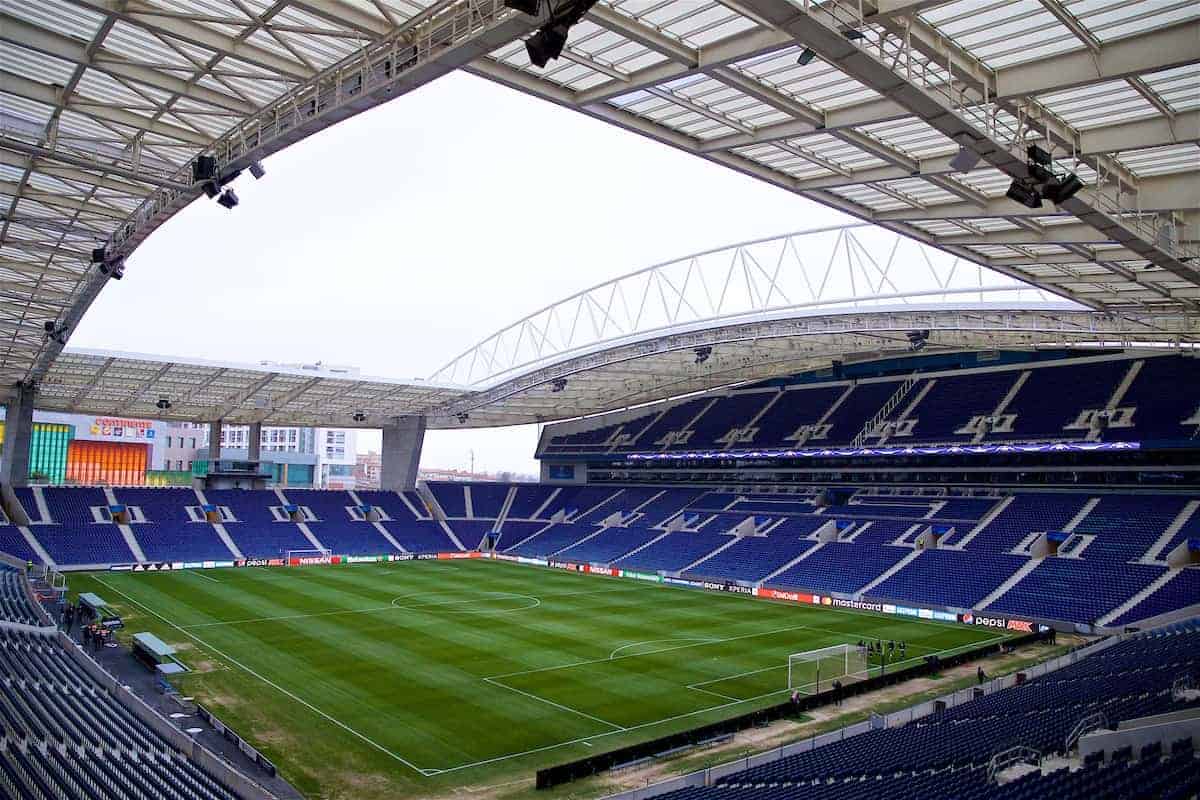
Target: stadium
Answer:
pixel 905 506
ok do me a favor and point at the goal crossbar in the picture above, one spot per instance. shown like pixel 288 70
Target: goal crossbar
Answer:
pixel 297 558
pixel 813 671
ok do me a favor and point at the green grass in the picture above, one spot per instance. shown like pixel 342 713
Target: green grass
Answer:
pixel 413 678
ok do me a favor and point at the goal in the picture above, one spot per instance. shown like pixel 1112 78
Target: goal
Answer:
pixel 815 670
pixel 301 558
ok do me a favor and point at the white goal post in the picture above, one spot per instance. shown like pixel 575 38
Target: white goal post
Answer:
pixel 814 671
pixel 300 558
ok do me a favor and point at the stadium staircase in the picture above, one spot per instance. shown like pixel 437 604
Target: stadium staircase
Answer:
pixel 450 532
pixel 792 563
pixel 1156 554
pixel 220 529
pixel 1155 585
pixel 1012 581
pixel 127 532
pixel 896 399
pixel 986 520
pixel 899 565
pixel 36 547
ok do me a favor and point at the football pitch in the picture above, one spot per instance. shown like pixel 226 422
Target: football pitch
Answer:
pixel 411 678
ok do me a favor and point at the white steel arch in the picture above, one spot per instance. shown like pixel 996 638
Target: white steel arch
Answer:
pixel 821 271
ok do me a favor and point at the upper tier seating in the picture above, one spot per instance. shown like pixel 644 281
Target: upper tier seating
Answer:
pixel 951 403
pixel 793 410
pixel 1046 403
pixel 734 411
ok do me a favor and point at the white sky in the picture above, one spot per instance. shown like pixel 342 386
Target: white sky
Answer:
pixel 399 238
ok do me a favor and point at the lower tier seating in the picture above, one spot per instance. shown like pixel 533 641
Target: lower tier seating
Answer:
pixel 948 755
pixel 62 735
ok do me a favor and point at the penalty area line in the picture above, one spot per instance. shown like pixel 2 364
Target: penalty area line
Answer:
pixel 273 685
pixel 560 706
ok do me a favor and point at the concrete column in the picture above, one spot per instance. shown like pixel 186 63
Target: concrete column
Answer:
pixel 214 441
pixel 18 430
pixel 402 442
pixel 254 441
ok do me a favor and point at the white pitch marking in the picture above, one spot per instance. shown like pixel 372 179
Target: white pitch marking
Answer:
pixel 201 575
pixel 652 652
pixel 273 685
pixel 613 725
pixel 613 654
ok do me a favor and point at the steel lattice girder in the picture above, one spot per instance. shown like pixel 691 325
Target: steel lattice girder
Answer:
pixel 106 105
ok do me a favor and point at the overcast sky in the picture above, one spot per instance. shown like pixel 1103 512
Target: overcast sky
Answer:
pixel 401 237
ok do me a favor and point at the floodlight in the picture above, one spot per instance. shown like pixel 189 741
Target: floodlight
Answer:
pixel 256 169
pixel 1039 174
pixel 702 354
pixel 228 199
pixel 1038 156
pixel 114 269
pixel 359 416
pixel 163 404
pixel 558 384
pixel 98 255
pixel 529 7
pixel 462 416
pixel 966 160
pixel 806 56
pixel 547 44
pixel 204 168
pixel 211 189
pixel 853 35
pixel 1062 189
pixel 1024 194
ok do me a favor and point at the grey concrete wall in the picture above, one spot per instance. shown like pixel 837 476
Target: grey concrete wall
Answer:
pixel 214 440
pixel 254 441
pixel 18 429
pixel 402 443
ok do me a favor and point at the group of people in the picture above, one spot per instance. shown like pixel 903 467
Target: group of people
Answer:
pixel 877 649
pixel 92 634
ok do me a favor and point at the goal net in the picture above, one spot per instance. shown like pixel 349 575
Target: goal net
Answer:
pixel 301 558
pixel 815 670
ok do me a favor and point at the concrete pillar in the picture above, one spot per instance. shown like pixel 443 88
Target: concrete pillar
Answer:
pixel 18 430
pixel 402 443
pixel 214 442
pixel 254 441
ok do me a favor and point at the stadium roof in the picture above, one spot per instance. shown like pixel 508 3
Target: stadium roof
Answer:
pixel 106 105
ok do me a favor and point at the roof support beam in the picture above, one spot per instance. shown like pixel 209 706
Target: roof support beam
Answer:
pixel 1164 193
pixel 48 95
pixel 19 32
pixel 821 31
